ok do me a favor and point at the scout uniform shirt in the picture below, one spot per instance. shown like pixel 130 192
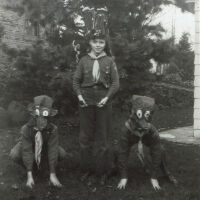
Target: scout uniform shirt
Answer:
pixel 85 85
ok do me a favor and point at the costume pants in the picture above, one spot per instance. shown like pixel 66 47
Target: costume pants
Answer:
pixel 157 154
pixel 16 153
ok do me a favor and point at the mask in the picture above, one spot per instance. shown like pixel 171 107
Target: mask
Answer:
pixel 41 114
pixel 141 118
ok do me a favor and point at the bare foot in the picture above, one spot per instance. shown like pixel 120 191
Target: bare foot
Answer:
pixel 155 184
pixel 54 180
pixel 122 183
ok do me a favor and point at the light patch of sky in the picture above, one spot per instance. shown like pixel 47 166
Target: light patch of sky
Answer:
pixel 174 20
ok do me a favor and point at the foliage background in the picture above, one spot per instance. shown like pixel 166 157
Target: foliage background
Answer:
pixel 48 65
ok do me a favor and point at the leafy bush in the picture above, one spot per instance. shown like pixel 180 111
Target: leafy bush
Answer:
pixel 47 67
pixel 40 69
pixel 173 78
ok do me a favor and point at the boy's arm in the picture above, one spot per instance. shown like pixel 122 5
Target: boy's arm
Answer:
pixel 27 148
pixel 156 152
pixel 53 149
pixel 30 181
pixel 53 156
pixel 124 150
pixel 114 80
pixel 27 154
pixel 77 78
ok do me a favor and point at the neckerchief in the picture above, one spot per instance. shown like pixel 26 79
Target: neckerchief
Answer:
pixel 95 69
pixel 38 146
pixel 129 125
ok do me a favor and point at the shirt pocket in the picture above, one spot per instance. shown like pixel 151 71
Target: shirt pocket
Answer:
pixel 87 73
pixel 106 76
pixel 106 72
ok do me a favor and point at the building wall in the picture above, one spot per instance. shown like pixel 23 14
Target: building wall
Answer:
pixel 197 71
pixel 15 32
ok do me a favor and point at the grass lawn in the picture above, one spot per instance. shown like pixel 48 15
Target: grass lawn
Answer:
pixel 184 162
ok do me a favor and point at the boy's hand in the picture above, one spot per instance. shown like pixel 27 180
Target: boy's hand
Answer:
pixel 54 180
pixel 102 102
pixel 82 101
pixel 155 184
pixel 30 182
pixel 122 183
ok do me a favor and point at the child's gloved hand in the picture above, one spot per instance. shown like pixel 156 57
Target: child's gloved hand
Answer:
pixel 54 180
pixel 30 182
pixel 102 102
pixel 155 184
pixel 122 183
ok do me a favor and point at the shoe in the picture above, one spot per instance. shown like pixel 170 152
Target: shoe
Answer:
pixel 103 180
pixel 173 180
pixel 84 177
pixel 91 180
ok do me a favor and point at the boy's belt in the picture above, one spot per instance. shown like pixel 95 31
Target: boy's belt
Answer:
pixel 98 86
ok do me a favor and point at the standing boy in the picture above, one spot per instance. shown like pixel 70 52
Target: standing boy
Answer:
pixel 95 82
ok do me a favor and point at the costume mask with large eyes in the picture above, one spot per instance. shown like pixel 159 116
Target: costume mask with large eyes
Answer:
pixel 41 115
pixel 147 115
pixel 143 114
pixel 139 114
pixel 142 119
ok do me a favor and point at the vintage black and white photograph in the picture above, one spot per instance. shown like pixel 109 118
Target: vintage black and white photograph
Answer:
pixel 99 99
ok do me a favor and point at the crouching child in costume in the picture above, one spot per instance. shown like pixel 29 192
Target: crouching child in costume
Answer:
pixel 139 130
pixel 38 143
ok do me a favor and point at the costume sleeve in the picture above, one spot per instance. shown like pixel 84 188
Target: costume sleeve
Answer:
pixel 114 80
pixel 156 152
pixel 78 75
pixel 53 149
pixel 124 150
pixel 27 148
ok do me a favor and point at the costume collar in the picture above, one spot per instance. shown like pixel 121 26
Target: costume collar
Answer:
pixel 131 127
pixel 32 123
